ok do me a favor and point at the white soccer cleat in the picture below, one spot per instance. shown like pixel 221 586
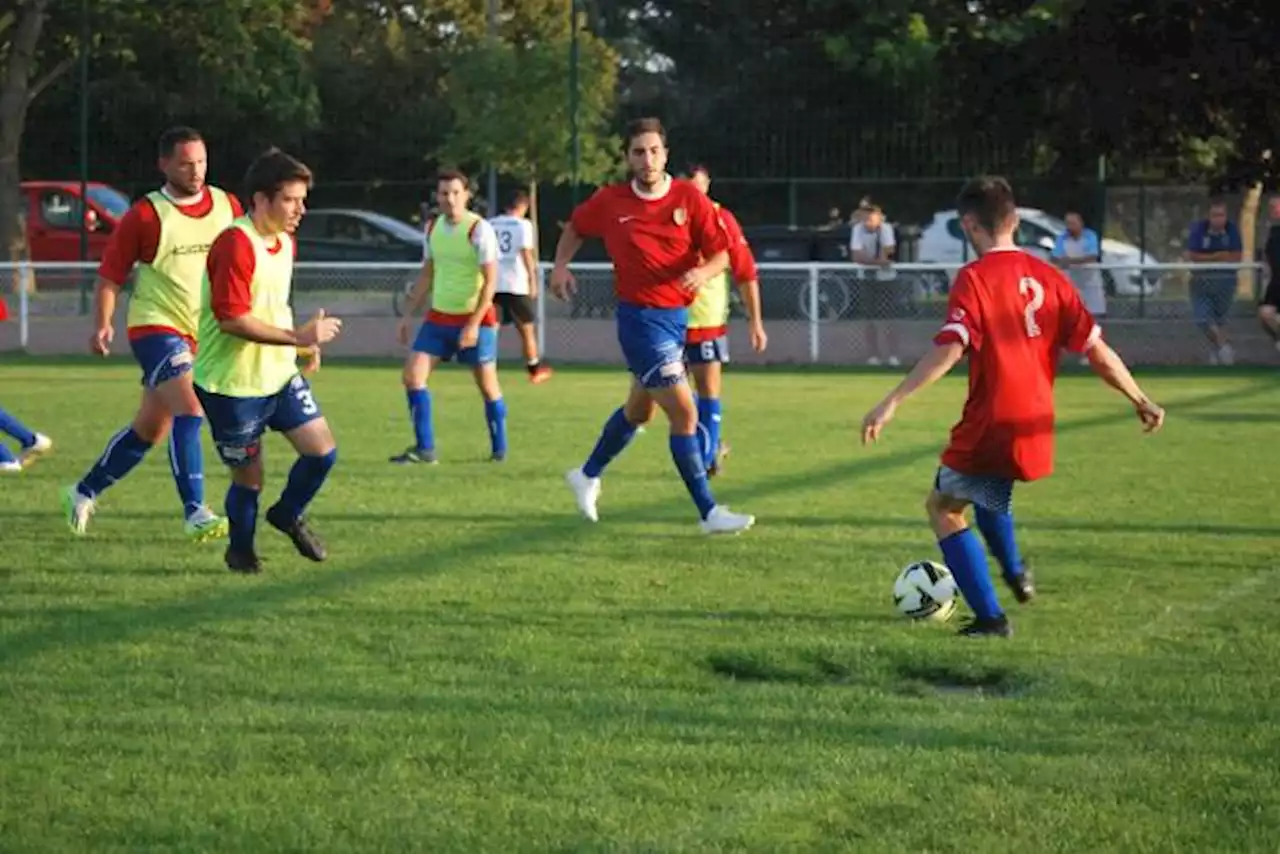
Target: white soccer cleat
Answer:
pixel 586 490
pixel 10 467
pixel 42 446
pixel 78 509
pixel 721 520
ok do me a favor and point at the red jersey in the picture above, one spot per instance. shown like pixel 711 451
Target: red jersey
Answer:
pixel 652 240
pixel 742 266
pixel 1014 314
pixel 137 238
pixel 231 264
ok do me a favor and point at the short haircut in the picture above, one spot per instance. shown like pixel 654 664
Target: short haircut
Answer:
pixel 516 199
pixel 699 169
pixel 989 198
pixel 648 124
pixel 176 136
pixel 452 174
pixel 868 208
pixel 271 171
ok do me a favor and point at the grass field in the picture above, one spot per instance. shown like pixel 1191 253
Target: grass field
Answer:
pixel 476 669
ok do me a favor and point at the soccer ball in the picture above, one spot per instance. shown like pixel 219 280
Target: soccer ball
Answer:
pixel 925 591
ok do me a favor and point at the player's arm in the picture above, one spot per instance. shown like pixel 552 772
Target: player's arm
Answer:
pixel 485 242
pixel 587 220
pixel 746 277
pixel 231 266
pixel 1108 365
pixel 710 238
pixel 421 290
pixel 135 240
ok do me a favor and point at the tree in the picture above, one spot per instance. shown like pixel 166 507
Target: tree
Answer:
pixel 511 109
pixel 18 58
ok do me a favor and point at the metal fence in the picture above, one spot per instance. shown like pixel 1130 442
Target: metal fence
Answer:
pixel 838 314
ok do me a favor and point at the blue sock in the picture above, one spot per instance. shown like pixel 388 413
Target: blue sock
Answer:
pixel 709 428
pixel 186 460
pixel 997 530
pixel 6 455
pixel 688 457
pixel 242 516
pixel 305 479
pixel 495 415
pixel 964 555
pixel 16 429
pixel 125 450
pixel 420 414
pixel 614 438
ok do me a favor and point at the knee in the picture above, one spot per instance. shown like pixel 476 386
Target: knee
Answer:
pixel 327 460
pixel 638 413
pixel 151 428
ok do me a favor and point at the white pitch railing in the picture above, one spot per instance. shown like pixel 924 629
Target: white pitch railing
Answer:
pixel 1132 281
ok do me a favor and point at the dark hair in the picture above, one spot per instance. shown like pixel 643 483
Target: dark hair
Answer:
pixel 649 124
pixel 698 167
pixel 989 198
pixel 271 171
pixel 516 199
pixel 175 136
pixel 451 174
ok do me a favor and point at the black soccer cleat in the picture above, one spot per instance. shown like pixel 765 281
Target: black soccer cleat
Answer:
pixel 304 539
pixel 1023 585
pixel 998 627
pixel 414 456
pixel 243 562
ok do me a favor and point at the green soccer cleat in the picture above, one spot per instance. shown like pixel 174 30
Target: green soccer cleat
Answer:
pixel 76 509
pixel 204 526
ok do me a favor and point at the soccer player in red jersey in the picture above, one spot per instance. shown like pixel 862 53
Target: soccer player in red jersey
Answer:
pixel 1011 314
pixel 666 241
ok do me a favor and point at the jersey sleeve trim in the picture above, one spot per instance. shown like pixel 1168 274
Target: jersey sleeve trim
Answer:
pixel 959 330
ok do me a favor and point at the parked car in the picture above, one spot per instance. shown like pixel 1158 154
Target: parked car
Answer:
pixel 54 212
pixel 351 235
pixel 942 241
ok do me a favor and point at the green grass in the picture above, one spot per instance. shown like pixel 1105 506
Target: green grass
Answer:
pixel 475 669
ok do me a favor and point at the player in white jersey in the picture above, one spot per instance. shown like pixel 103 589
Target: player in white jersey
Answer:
pixel 518 279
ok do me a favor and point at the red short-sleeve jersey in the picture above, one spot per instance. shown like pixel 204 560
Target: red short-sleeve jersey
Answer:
pixel 653 240
pixel 1014 314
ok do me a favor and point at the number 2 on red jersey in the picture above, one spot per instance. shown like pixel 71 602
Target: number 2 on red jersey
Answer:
pixel 1034 292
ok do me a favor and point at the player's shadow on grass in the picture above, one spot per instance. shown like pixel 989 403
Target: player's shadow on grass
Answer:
pixel 1032 524
pixel 247 596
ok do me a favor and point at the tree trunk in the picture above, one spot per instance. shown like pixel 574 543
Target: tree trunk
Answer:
pixel 15 95
pixel 1246 280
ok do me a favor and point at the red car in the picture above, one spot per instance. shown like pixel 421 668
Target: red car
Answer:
pixel 54 209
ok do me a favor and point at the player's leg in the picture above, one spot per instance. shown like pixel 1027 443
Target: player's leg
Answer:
pixel 173 387
pixel 298 417
pixel 32 444
pixel 996 525
pixel 1269 310
pixel 704 360
pixel 619 429
pixel 237 425
pixel 433 344
pixel 519 309
pixel 483 360
pixel 962 550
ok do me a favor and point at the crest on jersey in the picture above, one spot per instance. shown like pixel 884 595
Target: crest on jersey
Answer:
pixel 680 216
pixel 957 315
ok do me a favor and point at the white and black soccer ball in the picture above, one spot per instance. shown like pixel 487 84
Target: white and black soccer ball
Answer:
pixel 925 590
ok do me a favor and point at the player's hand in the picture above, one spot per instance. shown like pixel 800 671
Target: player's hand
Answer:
pixel 321 329
pixel 469 337
pixel 313 360
pixel 533 288
pixel 693 279
pixel 563 285
pixel 874 422
pixel 100 340
pixel 1151 416
pixel 759 340
pixel 402 331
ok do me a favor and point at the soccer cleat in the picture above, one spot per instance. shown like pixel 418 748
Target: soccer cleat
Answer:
pixel 42 445
pixel 245 562
pixel 586 491
pixel 998 627
pixel 414 456
pixel 10 467
pixel 540 373
pixel 304 539
pixel 498 458
pixel 721 520
pixel 77 508
pixel 204 525
pixel 722 453
pixel 1023 585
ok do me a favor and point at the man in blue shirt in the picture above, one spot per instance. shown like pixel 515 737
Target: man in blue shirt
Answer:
pixel 1214 240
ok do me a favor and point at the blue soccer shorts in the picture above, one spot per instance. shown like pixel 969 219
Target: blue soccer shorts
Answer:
pixel 652 342
pixel 441 341
pixel 707 352
pixel 991 493
pixel 162 356
pixel 237 423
